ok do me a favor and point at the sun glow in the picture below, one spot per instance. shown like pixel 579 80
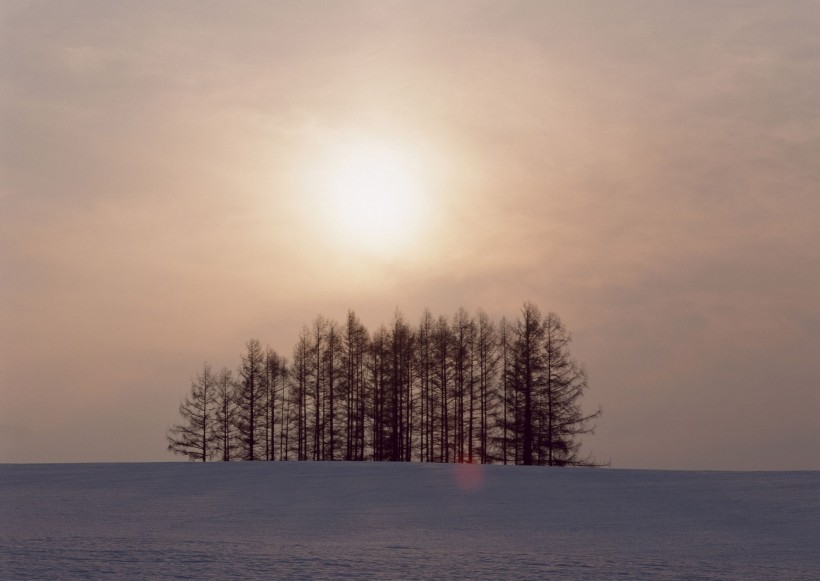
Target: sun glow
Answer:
pixel 372 196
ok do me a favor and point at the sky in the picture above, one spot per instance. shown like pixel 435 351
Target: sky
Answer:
pixel 649 171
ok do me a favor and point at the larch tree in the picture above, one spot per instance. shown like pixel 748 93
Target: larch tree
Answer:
pixel 274 384
pixel 250 402
pixel 525 376
pixel 442 378
pixel 486 346
pixel 354 351
pixel 195 436
pixel 316 369
pixel 300 378
pixel 424 365
pixel 332 359
pixel 399 394
pixel 225 415
pixel 282 417
pixel 461 337
pixel 447 390
pixel 379 379
pixel 503 418
pixel 560 418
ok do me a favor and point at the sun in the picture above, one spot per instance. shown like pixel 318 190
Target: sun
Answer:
pixel 372 195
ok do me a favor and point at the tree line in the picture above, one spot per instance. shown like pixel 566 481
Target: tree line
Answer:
pixel 459 389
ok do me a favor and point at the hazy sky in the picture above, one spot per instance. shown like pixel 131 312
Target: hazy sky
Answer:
pixel 648 170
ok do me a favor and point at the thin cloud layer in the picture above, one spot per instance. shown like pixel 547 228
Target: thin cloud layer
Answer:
pixel 647 171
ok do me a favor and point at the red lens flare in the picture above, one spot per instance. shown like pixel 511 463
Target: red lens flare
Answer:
pixel 469 476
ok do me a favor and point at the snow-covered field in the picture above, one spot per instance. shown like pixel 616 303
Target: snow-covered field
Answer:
pixel 403 521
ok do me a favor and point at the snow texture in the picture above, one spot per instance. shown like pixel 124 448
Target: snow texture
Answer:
pixel 403 521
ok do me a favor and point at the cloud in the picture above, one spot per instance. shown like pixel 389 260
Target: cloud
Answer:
pixel 647 171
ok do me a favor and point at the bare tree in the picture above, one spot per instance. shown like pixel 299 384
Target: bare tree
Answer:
pixel 250 402
pixel 442 378
pixel 445 391
pixel 299 391
pixel 427 404
pixel 319 329
pixel 194 437
pixel 225 415
pixel 355 346
pixel 399 395
pixel 487 354
pixel 274 393
pixel 461 335
pixel 379 409
pixel 525 375
pixel 332 374
pixel 281 418
pixel 559 417
pixel 544 385
pixel 503 417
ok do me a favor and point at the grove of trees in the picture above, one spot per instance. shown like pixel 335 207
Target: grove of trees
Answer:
pixel 460 389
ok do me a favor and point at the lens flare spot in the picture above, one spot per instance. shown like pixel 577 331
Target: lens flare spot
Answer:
pixel 469 476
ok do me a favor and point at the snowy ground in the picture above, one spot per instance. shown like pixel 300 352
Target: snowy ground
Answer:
pixel 403 521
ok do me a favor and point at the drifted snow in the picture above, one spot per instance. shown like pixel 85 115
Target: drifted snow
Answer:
pixel 403 521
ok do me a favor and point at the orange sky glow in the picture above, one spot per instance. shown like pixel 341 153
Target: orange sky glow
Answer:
pixel 176 178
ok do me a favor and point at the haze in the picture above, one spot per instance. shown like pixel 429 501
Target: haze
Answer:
pixel 649 171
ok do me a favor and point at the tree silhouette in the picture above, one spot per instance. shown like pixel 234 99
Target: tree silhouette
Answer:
pixel 195 436
pixel 250 401
pixel 559 414
pixel 459 390
pixel 225 415
pixel 299 392
pixel 487 355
